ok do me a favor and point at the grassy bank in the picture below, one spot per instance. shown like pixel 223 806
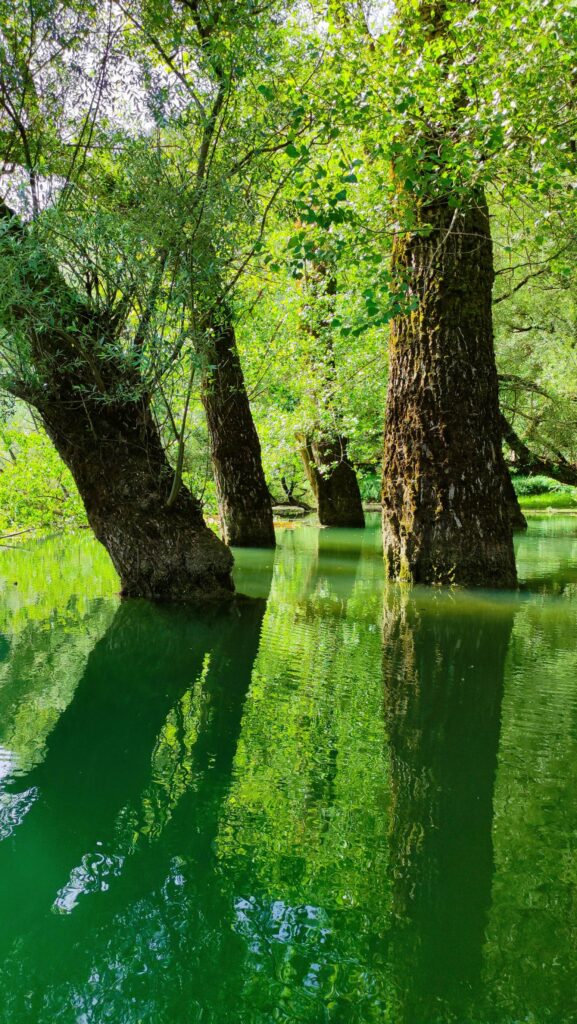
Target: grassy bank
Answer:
pixel 541 493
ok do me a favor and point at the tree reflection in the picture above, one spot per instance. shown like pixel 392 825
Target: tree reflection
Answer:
pixel 304 839
pixel 444 661
pixel 128 801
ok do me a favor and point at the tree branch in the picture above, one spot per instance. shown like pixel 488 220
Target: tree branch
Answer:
pixel 537 465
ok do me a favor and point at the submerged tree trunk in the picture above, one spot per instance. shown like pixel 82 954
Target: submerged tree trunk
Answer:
pixel 244 503
pixel 333 481
pixel 446 488
pixel 118 463
pixel 87 386
pixel 324 452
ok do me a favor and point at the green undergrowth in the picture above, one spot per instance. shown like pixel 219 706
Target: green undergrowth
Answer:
pixel 565 501
pixel 37 492
pixel 541 492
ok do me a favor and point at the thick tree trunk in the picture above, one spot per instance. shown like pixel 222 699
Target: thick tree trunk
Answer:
pixel 243 496
pixel 446 491
pixel 124 479
pixel 333 482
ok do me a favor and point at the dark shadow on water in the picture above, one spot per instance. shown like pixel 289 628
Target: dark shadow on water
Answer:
pixel 97 878
pixel 444 668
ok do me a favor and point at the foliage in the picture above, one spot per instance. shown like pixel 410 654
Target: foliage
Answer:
pixel 370 486
pixel 550 500
pixel 173 158
pixel 37 491
pixel 529 485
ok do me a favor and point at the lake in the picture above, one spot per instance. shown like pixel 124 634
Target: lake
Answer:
pixel 338 800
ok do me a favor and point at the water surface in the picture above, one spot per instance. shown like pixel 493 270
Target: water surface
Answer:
pixel 337 801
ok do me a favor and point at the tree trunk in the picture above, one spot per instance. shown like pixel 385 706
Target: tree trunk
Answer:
pixel 446 491
pixel 516 517
pixel 243 497
pixel 95 407
pixel 331 475
pixel 333 482
pixel 124 478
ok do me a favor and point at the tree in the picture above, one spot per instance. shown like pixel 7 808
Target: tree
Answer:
pixel 445 484
pixel 213 57
pixel 467 122
pixel 84 302
pixel 93 401
pixel 324 446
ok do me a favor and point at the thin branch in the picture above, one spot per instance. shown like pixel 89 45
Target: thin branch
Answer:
pixel 521 284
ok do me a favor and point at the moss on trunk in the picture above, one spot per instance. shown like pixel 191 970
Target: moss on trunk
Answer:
pixel 446 489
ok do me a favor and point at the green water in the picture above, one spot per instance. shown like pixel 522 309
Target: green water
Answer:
pixel 338 801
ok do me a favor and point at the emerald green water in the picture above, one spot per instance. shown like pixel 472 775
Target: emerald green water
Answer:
pixel 340 801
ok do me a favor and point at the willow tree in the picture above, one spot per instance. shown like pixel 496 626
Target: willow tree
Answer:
pixel 230 89
pixel 74 359
pixel 84 303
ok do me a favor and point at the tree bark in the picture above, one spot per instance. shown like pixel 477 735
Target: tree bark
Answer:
pixel 118 463
pixel 244 503
pixel 446 490
pixel 333 482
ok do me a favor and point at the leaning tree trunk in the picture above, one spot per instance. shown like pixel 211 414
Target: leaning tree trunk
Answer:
pixel 153 530
pixel 333 482
pixel 244 503
pixel 446 493
pixel 115 455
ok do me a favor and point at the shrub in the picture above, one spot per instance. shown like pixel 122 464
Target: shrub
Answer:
pixel 528 485
pixel 370 486
pixel 36 489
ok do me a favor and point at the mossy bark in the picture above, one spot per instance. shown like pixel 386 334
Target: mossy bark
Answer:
pixel 244 502
pixel 446 489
